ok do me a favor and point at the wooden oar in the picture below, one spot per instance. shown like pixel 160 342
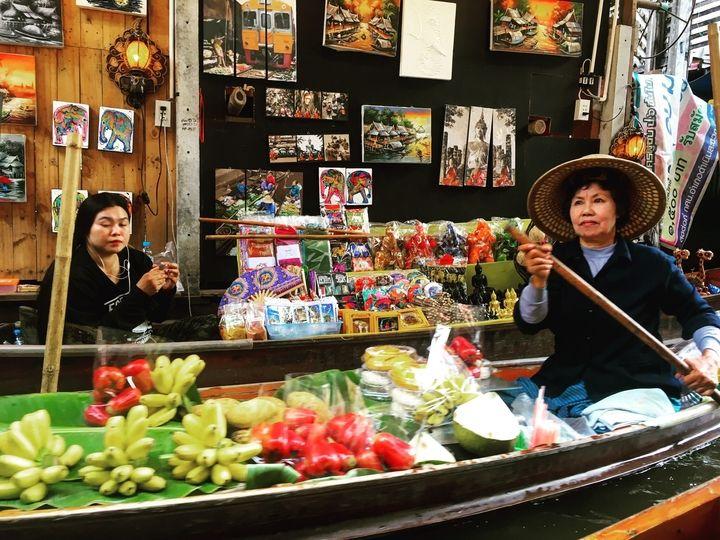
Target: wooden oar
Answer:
pixel 359 234
pixel 63 258
pixel 285 237
pixel 615 312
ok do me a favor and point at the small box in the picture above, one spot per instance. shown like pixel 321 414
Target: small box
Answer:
pixel 8 285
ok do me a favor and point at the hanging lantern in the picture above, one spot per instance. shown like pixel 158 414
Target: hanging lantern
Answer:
pixel 629 143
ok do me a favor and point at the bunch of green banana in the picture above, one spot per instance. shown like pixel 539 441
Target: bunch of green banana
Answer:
pixel 444 397
pixel 204 452
pixel 33 458
pixel 119 469
pixel 171 380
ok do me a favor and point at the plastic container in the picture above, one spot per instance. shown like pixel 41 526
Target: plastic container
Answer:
pixel 384 357
pixel 304 330
pixel 404 402
pixel 375 384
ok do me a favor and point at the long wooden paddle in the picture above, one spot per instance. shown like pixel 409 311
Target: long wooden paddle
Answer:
pixel 615 312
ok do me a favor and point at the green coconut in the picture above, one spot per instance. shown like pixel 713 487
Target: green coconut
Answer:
pixel 485 426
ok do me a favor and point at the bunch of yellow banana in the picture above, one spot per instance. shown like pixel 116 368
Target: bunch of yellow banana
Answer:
pixel 119 469
pixel 172 380
pixel 32 458
pixel 204 452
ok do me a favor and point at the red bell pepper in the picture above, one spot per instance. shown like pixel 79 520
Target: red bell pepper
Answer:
pixel 395 453
pixel 96 415
pixel 297 416
pixel 355 431
pixel 124 401
pixel 367 459
pixel 108 379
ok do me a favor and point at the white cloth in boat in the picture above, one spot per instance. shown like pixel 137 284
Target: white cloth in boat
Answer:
pixel 626 408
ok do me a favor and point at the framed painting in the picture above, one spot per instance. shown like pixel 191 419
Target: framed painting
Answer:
pixel 115 130
pixel 396 134
pixel 454 145
pixel 428 36
pixel 55 201
pixel 12 168
pixel 17 88
pixel 127 7
pixel 552 27
pixel 478 146
pixel 367 26
pixel 69 117
pixel 503 136
pixel 33 23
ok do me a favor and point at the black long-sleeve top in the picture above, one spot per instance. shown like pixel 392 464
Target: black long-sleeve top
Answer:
pixel 592 347
pixel 94 300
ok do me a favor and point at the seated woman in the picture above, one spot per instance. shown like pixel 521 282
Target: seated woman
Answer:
pixel 595 206
pixel 111 284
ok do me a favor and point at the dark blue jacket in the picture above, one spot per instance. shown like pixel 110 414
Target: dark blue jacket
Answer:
pixel 591 346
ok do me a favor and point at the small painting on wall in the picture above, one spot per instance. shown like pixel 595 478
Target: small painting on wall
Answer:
pixel 396 134
pixel 337 147
pixel 454 145
pixel 128 7
pixel 368 26
pixel 69 117
pixel 56 199
pixel 332 186
pixel 280 102
pixel 335 106
pixel 229 204
pixel 115 130
pixel 478 146
pixel 12 168
pixel 428 36
pixel 551 27
pixel 18 105
pixel 359 186
pixel 33 23
pixel 310 148
pixel 503 134
pixel 282 148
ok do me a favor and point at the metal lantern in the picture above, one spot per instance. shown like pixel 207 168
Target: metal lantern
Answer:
pixel 136 65
pixel 629 143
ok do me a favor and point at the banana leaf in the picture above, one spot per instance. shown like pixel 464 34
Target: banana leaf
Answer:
pixel 269 474
pixel 65 408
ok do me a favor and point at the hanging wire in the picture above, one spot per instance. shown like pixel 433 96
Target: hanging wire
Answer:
pixel 680 34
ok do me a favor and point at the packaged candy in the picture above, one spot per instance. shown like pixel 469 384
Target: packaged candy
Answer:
pixel 232 321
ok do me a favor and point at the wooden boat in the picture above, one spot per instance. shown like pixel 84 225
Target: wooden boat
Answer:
pixel 382 503
pixel 691 515
pixel 245 361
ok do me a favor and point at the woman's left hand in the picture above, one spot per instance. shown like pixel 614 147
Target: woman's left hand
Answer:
pixel 703 376
pixel 172 274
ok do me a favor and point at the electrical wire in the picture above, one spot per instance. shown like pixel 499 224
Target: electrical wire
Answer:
pixel 680 34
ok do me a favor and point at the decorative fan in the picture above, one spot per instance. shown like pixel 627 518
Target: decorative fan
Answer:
pixel 259 297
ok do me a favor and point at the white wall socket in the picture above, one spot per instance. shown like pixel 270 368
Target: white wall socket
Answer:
pixel 582 109
pixel 163 111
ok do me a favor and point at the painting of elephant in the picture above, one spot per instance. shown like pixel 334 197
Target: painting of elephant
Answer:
pixel 115 132
pixel 67 118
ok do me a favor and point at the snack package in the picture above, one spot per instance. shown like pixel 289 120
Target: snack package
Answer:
pixel 232 321
pixel 288 251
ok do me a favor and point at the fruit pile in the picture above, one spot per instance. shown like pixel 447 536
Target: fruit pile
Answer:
pixel 204 452
pixel 33 458
pixel 117 389
pixel 119 468
pixel 316 449
pixel 444 397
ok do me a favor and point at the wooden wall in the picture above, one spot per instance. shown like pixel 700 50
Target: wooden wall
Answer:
pixel 77 73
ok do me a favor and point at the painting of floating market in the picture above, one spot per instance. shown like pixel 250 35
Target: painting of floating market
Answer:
pixel 69 117
pixel 12 169
pixel 115 130
pixel 551 27
pixel 17 89
pixel 34 23
pixel 128 7
pixel 396 134
pixel 369 26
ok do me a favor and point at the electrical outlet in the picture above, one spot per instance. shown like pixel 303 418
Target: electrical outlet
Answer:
pixel 582 110
pixel 162 113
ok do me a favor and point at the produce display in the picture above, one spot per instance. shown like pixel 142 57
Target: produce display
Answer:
pixel 33 458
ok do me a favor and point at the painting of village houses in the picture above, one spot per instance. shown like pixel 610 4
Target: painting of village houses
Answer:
pixel 12 168
pixel 536 26
pixel 369 26
pixel 396 134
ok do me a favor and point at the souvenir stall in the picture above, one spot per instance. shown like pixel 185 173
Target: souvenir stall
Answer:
pixel 343 185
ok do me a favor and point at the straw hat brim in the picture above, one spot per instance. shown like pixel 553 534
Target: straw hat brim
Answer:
pixel 646 195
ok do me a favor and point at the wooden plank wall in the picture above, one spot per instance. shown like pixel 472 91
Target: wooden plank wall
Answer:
pixel 77 73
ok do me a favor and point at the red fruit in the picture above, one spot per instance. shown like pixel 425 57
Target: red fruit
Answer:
pixel 108 378
pixel 297 416
pixel 367 459
pixel 124 401
pixel 395 453
pixel 96 415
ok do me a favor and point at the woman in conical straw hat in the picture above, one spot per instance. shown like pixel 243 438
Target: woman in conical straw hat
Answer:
pixel 594 207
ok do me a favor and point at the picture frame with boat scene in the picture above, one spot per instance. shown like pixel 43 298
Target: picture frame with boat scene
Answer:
pixel 127 7
pixel 552 27
pixel 396 134
pixel 12 168
pixel 368 26
pixel 33 23
pixel 18 89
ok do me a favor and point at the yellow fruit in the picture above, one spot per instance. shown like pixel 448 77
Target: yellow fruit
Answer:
pixel 249 451
pixel 139 449
pixel 34 494
pixel 162 379
pixel 9 465
pixel 96 478
pixel 308 400
pixel 72 455
pixel 238 471
pixel 27 478
pixel 115 456
pixel 56 445
pixel 163 416
pixel 189 452
pixel 88 469
pixel 194 426
pixel 249 413
pixel 142 475
pixel 162 362
pixel 54 474
pixel 121 473
pixel 127 488
pixel 20 444
pixel 213 436
pixel 138 412
pixel 8 490
pixel 156 400
pixel 108 488
pixel 181 471
pixel 220 475
pixel 174 461
pixel 198 475
pixel 183 383
pixel 228 455
pixel 156 483
pixel 182 437
pixel 97 459
pixel 115 432
pixel 207 457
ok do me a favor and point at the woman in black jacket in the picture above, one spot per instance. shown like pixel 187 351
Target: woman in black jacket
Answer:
pixel 111 284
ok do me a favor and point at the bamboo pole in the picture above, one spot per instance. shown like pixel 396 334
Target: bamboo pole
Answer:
pixel 615 312
pixel 714 44
pixel 286 237
pixel 63 258
pixel 359 234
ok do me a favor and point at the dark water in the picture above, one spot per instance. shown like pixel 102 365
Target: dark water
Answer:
pixel 584 511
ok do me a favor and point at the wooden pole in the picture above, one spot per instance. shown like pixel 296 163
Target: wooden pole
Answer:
pixel 615 312
pixel 714 44
pixel 286 237
pixel 63 258
pixel 359 234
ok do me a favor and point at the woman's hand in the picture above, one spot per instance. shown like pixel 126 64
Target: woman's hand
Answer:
pixel 703 376
pixel 538 262
pixel 152 281
pixel 172 274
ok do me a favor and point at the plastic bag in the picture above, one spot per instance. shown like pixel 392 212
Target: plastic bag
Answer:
pixel 418 246
pixel 451 246
pixel 232 321
pixel 389 255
